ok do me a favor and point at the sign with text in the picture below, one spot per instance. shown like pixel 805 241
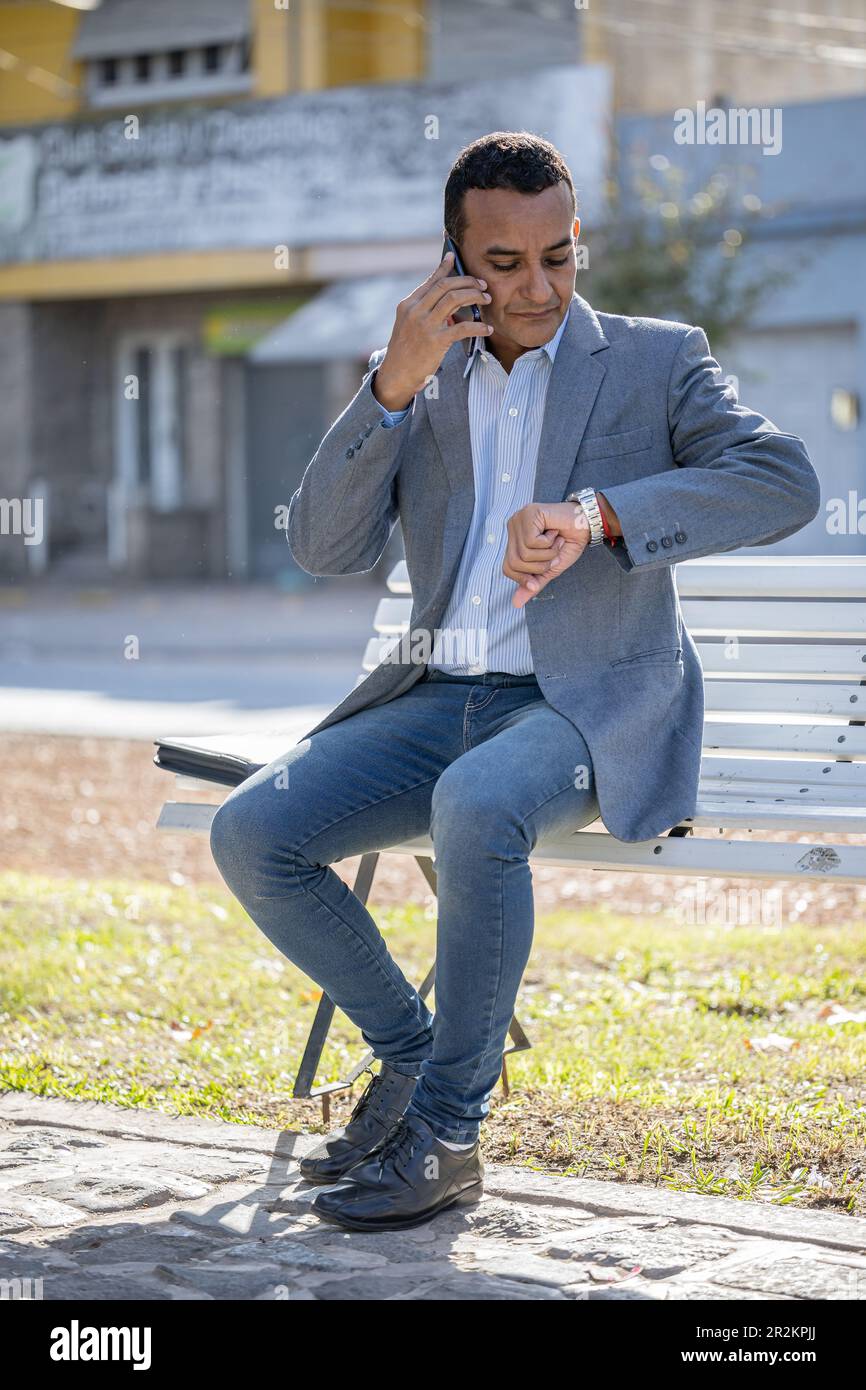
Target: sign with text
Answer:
pixel 341 165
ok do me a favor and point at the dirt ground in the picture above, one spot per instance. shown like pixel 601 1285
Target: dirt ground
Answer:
pixel 87 808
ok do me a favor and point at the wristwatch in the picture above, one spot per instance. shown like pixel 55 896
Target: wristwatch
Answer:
pixel 588 500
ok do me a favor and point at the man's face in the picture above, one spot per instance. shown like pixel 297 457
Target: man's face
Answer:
pixel 522 244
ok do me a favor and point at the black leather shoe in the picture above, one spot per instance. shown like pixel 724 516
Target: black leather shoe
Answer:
pixel 378 1109
pixel 410 1179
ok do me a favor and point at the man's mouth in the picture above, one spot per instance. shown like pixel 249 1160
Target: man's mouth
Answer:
pixel 536 314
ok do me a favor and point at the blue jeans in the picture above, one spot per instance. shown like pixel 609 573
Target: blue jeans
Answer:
pixel 487 767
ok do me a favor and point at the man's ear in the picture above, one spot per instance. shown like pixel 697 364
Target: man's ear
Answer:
pixel 576 227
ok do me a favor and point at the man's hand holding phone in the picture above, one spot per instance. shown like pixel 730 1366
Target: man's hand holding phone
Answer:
pixel 424 329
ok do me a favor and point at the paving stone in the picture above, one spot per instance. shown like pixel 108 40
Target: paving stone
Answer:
pixel 484 1287
pixel 21 1212
pixel 303 1256
pixel 804 1275
pixel 248 1280
pixel 156 1246
pixel 84 1288
pixel 119 1193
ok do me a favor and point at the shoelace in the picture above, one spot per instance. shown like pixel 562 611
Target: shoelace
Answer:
pixel 399 1143
pixel 365 1097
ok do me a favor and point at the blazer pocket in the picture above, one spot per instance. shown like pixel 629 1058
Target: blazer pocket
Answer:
pixel 599 446
pixel 653 656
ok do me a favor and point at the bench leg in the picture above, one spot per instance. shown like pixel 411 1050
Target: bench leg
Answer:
pixel 303 1088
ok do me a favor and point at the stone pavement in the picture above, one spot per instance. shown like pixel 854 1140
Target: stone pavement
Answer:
pixel 103 1203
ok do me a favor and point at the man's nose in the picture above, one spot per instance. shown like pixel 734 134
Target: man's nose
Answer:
pixel 536 288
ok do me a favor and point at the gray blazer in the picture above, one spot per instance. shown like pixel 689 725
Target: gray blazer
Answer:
pixel 638 409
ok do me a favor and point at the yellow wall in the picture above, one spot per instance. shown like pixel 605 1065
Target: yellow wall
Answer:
pixel 366 44
pixel 270 49
pixel 39 81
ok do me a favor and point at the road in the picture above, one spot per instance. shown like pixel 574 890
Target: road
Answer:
pixel 153 662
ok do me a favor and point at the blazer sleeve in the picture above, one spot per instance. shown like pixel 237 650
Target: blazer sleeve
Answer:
pixel 738 480
pixel 342 514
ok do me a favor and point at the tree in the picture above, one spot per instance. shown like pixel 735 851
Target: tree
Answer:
pixel 665 252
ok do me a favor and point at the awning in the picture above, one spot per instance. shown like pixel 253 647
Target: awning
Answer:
pixel 348 320
pixel 119 28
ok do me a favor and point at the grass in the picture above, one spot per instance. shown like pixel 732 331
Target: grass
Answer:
pixel 648 1060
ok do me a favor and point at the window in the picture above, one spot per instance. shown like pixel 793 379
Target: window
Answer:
pixel 202 69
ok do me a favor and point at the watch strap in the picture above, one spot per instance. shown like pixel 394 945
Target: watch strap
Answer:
pixel 589 502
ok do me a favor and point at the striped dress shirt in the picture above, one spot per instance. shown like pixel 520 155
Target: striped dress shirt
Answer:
pixel 481 629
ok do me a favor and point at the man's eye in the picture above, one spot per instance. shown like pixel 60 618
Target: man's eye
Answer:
pixel 556 263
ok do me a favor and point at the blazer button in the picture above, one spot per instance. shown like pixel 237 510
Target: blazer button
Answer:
pixel 350 453
pixel 667 542
pixel 680 536
pixel 652 545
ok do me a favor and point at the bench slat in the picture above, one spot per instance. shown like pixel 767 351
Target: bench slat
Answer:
pixel 785 698
pixel 821 740
pixel 591 849
pixel 186 815
pixel 707 618
pixel 691 855
pixel 780 772
pixel 782 660
pixel 742 576
pixel 803 619
pixel 796 661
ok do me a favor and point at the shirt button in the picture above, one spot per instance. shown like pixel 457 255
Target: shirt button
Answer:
pixel 484 357
pixel 512 410
pixel 490 539
pixel 506 477
pixel 476 598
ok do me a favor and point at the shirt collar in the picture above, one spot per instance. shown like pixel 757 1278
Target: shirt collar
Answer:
pixel 549 347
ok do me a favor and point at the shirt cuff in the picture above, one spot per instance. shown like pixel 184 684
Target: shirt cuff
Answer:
pixel 392 417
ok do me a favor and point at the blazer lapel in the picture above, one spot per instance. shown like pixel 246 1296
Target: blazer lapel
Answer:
pixel 448 413
pixel 574 382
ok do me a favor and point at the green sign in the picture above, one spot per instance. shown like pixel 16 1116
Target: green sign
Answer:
pixel 232 329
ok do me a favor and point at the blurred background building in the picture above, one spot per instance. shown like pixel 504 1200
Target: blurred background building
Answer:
pixel 208 211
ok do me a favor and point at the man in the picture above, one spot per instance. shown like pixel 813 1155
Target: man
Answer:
pixel 546 485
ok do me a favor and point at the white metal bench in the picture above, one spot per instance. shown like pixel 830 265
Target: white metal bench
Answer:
pixel 784 740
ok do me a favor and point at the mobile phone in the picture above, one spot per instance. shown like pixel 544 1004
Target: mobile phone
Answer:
pixel 466 312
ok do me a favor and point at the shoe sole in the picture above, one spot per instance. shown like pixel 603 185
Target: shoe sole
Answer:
pixel 467 1197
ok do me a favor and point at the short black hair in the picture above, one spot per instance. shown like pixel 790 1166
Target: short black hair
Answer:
pixel 503 159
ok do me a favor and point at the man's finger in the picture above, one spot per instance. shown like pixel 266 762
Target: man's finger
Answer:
pixel 442 270
pixel 529 589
